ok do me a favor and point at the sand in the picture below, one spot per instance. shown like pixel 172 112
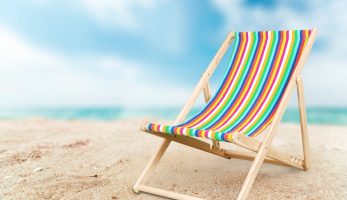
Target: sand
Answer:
pixel 50 159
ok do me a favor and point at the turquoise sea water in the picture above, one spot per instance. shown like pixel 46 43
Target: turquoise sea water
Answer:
pixel 316 115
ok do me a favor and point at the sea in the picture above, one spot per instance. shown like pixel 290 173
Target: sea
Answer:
pixel 315 115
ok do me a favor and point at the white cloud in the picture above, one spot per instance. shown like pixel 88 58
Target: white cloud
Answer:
pixel 34 76
pixel 325 72
pixel 328 17
pixel 162 24
pixel 118 12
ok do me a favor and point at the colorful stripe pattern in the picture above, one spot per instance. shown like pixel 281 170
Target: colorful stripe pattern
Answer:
pixel 261 66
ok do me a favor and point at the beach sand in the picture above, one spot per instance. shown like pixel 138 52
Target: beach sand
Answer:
pixel 51 159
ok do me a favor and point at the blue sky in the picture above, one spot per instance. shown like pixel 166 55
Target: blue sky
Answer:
pixel 149 52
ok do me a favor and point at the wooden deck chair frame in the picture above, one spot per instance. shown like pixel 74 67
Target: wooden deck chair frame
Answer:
pixel 264 151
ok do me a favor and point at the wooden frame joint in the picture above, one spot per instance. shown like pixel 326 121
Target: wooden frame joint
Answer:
pixel 254 145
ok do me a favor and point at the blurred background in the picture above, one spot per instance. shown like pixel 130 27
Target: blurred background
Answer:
pixel 112 59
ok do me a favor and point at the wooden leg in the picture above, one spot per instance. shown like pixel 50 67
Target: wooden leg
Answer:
pixel 253 172
pixel 303 121
pixel 151 165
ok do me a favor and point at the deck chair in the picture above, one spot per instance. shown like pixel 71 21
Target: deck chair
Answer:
pixel 264 67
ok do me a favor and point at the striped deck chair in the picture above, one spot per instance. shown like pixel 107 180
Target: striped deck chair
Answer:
pixel 264 67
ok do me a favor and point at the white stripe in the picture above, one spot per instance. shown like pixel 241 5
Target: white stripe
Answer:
pixel 184 131
pixel 210 134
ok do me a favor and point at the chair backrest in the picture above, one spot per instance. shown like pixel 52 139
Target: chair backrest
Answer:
pixel 260 68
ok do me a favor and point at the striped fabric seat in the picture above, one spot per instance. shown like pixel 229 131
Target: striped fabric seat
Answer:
pixel 261 65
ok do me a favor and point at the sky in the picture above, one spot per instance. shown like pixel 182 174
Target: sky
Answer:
pixel 148 53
